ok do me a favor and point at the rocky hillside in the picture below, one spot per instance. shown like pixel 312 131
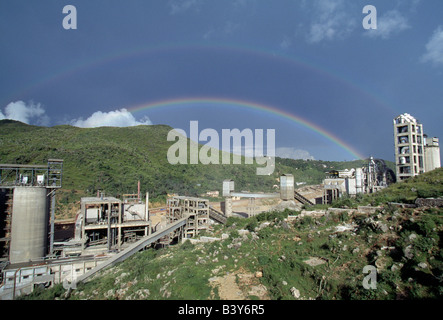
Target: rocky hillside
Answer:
pixel 311 254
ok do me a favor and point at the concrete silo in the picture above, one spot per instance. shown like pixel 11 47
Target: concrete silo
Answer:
pixel 287 187
pixel 29 227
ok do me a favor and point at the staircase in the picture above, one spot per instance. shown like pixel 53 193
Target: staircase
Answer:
pixel 301 199
pixel 217 215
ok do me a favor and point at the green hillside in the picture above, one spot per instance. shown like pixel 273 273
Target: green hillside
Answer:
pixel 114 159
pixel 310 257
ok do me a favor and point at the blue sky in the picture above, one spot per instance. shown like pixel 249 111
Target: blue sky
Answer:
pixel 312 59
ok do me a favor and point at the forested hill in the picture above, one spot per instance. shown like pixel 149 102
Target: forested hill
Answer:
pixel 114 159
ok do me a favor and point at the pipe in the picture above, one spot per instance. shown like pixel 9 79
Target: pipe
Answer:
pixel 147 207
pixel 15 277
pixel 51 241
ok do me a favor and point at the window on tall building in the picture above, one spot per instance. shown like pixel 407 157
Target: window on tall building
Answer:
pixel 403 150
pixel 405 170
pixel 404 160
pixel 402 129
pixel 403 140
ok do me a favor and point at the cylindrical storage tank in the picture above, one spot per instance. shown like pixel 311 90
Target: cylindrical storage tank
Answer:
pixel 228 187
pixel 287 187
pixel 29 227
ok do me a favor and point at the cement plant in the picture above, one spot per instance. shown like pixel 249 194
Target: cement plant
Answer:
pixel 39 251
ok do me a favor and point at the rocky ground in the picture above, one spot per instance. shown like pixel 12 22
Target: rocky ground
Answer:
pixel 319 254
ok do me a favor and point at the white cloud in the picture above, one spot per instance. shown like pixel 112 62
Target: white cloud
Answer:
pixel 117 118
pixel 181 6
pixel 227 29
pixel 20 111
pixel 286 42
pixel 390 23
pixel 434 48
pixel 331 21
pixel 293 153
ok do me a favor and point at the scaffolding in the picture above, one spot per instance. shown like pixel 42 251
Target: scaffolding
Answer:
pixel 30 175
pixel 5 222
pixel 195 210
pixel 106 222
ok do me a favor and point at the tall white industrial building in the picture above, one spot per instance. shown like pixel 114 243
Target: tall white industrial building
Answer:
pixel 432 154
pixel 414 153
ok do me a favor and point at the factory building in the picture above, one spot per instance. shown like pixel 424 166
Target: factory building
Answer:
pixel 195 210
pixel 368 179
pixel 413 155
pixel 31 254
pixel 432 154
pixel 409 146
pixel 107 222
pixel 27 203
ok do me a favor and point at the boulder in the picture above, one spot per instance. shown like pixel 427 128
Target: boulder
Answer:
pixel 295 292
pixel 408 252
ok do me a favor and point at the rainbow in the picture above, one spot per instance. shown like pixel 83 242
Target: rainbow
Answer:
pixel 87 65
pixel 91 63
pixel 254 106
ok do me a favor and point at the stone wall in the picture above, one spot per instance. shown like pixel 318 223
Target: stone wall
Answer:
pixel 429 202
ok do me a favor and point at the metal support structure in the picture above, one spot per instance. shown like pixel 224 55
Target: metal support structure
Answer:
pixel 52 221
pixel 134 248
pixel 49 175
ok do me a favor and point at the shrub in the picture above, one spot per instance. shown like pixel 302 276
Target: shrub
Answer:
pixel 187 245
pixel 234 234
pixel 427 226
pixel 429 192
pixel 252 225
pixel 265 233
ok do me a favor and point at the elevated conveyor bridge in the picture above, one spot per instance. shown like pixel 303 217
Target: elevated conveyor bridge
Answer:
pixel 132 249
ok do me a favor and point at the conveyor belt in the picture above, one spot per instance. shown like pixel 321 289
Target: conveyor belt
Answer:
pixel 134 248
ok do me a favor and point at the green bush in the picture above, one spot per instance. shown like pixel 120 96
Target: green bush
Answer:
pixel 187 245
pixel 429 192
pixel 45 294
pixel 265 233
pixel 252 225
pixel 234 234
pixel 273 215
